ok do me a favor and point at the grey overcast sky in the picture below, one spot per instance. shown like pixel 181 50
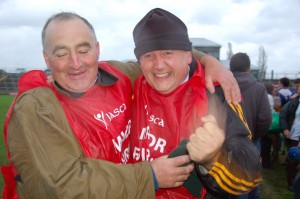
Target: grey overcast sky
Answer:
pixel 246 24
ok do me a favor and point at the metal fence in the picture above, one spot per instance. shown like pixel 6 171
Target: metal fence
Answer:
pixel 9 80
pixel 292 75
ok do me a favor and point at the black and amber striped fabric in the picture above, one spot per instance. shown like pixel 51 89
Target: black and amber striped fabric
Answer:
pixel 238 169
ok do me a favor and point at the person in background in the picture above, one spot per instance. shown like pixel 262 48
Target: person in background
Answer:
pixel 69 138
pixel 255 99
pixel 289 119
pixel 270 92
pixel 285 92
pixel 171 103
pixel 294 154
pixel 296 85
pixel 270 143
pixel 277 100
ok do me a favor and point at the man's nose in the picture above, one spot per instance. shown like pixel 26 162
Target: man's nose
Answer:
pixel 159 63
pixel 74 61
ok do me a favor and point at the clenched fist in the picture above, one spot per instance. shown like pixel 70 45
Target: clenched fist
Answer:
pixel 205 144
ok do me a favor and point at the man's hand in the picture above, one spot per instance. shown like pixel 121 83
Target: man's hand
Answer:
pixel 216 72
pixel 205 144
pixel 286 133
pixel 169 172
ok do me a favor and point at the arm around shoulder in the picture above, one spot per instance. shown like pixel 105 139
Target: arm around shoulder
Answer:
pixel 129 68
pixel 216 72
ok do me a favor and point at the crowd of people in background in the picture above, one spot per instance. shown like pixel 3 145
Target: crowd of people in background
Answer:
pixel 284 132
pixel 273 116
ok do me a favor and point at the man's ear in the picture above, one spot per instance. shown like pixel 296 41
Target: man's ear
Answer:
pixel 98 49
pixel 190 57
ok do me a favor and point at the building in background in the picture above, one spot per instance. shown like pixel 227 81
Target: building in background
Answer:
pixel 213 49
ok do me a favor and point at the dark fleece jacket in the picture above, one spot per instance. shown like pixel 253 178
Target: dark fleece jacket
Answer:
pixel 255 98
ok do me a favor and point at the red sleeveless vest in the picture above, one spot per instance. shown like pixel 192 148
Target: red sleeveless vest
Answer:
pixel 100 120
pixel 160 121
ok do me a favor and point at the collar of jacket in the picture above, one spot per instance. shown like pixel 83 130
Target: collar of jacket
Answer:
pixel 104 78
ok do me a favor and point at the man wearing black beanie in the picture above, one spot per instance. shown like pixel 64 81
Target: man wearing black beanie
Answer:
pixel 160 30
pixel 171 105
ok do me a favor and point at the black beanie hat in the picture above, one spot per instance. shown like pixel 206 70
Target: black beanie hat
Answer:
pixel 160 30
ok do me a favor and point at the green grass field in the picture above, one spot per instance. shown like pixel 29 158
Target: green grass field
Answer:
pixel 273 186
pixel 5 101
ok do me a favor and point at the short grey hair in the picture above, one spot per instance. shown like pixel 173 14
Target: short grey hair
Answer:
pixel 61 16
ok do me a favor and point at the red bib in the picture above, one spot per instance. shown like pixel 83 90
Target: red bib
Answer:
pixel 100 120
pixel 160 121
